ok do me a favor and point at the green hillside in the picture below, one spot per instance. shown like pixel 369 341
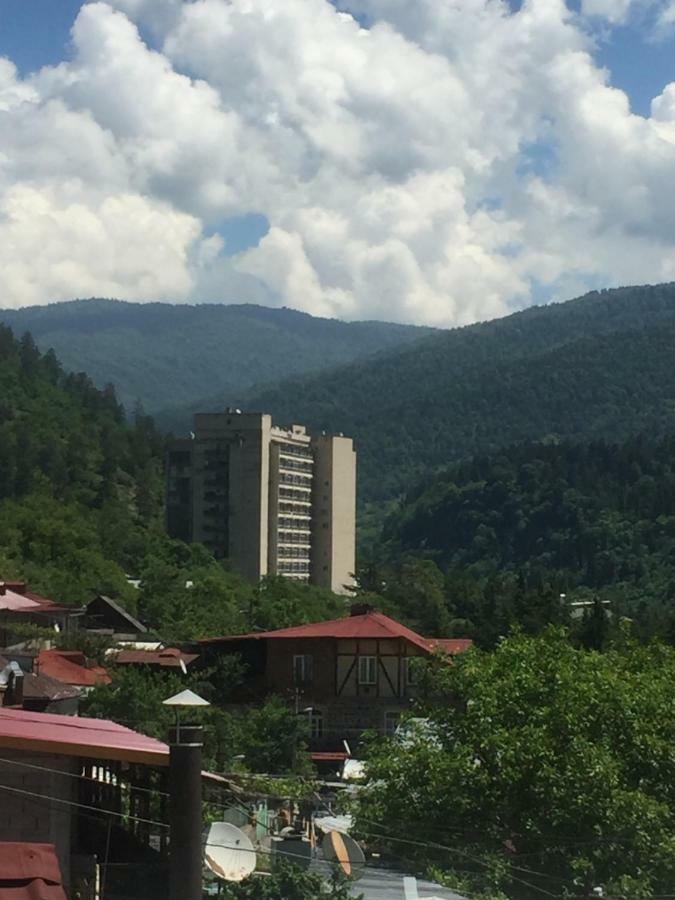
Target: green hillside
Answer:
pixel 596 367
pixel 595 519
pixel 168 355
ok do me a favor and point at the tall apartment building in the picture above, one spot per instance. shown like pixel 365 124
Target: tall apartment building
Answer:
pixel 274 501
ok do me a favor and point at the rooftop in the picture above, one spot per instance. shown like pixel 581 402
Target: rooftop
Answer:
pixel 70 667
pixel 74 736
pixel 368 625
pixel 168 657
pixel 15 597
pixel 30 871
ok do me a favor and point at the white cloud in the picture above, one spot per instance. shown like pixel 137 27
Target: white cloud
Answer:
pixel 60 245
pixel 430 167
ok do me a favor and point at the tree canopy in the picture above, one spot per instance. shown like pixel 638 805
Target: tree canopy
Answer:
pixel 536 767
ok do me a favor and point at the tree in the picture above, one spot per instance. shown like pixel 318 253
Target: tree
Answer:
pixel 291 884
pixel 539 762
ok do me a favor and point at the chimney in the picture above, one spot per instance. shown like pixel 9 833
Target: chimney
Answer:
pixel 361 609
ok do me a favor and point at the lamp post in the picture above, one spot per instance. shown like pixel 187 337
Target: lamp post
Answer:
pixel 185 801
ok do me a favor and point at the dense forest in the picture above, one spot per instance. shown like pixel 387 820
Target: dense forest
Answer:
pixel 177 355
pixel 513 531
pixel 596 367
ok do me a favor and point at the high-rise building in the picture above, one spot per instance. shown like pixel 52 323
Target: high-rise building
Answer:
pixel 274 501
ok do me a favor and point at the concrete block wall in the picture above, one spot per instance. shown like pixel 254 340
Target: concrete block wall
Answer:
pixel 33 816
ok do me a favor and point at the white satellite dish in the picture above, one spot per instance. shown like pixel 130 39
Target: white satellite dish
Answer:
pixel 229 854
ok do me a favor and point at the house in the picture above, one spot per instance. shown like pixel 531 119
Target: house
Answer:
pixel 19 606
pixel 98 792
pixel 58 777
pixel 105 616
pixel 347 675
pixel 39 693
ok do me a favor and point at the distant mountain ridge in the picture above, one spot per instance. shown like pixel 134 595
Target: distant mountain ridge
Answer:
pixel 600 366
pixel 171 355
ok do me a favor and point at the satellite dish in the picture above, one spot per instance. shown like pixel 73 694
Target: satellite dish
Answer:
pixel 343 851
pixel 229 854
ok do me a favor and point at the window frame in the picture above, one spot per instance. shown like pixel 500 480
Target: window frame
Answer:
pixel 303 668
pixel 364 664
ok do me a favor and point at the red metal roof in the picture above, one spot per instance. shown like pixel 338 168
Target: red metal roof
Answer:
pixel 169 657
pixel 70 667
pixel 30 872
pixel 15 598
pixel 74 736
pixel 367 626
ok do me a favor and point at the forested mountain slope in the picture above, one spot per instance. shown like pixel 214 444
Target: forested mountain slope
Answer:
pixel 592 519
pixel 168 355
pixel 596 367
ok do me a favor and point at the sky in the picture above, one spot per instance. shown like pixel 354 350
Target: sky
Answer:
pixel 438 162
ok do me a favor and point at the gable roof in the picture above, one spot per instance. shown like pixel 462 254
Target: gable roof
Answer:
pixel 70 667
pixel 371 625
pixel 75 736
pixel 136 626
pixel 14 597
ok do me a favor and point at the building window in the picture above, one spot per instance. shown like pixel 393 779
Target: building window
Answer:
pixel 316 723
pixel 367 670
pixel 302 669
pixel 391 720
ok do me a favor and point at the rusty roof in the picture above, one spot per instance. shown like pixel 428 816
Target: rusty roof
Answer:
pixel 371 625
pixel 30 872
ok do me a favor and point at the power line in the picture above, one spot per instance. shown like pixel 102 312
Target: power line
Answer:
pixel 73 803
pixel 120 784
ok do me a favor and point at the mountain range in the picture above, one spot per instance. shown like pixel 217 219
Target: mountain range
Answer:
pixel 170 356
pixel 597 367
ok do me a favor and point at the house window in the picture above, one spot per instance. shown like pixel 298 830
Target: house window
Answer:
pixel 391 720
pixel 367 670
pixel 316 723
pixel 302 669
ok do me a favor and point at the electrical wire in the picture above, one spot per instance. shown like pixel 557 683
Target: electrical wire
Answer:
pixel 75 804
pixel 121 784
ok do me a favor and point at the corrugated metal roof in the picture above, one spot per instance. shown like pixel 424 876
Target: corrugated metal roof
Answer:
pixel 371 625
pixel 74 736
pixel 30 872
pixel 168 657
pixel 70 668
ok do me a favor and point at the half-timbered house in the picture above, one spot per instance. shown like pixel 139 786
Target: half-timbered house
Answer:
pixel 346 675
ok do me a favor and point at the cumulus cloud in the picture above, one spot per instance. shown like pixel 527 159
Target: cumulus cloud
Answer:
pixel 425 162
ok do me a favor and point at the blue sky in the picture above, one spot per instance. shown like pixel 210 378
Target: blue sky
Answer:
pixel 443 169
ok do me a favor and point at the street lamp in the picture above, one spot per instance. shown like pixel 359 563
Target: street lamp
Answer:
pixel 185 801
